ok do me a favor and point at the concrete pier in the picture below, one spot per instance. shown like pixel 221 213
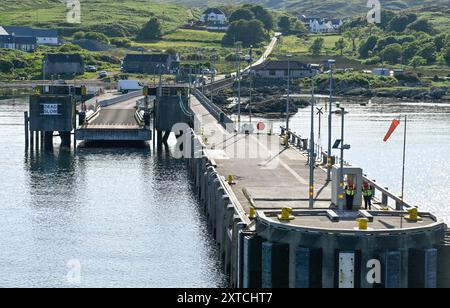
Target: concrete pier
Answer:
pixel 320 248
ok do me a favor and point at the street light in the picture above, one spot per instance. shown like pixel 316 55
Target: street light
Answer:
pixel 330 116
pixel 312 159
pixel 238 55
pixel 343 147
pixel 288 56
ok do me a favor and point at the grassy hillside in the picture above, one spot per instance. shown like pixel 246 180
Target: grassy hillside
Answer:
pixel 325 8
pixel 113 18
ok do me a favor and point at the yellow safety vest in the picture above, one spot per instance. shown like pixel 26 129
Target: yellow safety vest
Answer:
pixel 367 192
pixel 349 191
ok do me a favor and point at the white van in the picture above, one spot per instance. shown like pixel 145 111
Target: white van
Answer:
pixel 126 86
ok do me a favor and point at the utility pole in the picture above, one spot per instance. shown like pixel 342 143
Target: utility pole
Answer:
pixel 341 169
pixel 288 95
pixel 238 54
pixel 213 73
pixel 312 160
pixel 330 117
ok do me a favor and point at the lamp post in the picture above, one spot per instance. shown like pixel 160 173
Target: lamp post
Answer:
pixel 213 74
pixel 330 117
pixel 288 56
pixel 341 169
pixel 238 54
pixel 312 159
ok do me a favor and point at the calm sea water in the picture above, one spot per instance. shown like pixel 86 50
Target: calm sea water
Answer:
pixel 428 147
pixel 128 217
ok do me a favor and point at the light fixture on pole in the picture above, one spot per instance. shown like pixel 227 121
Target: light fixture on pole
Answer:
pixel 312 160
pixel 288 56
pixel 330 117
pixel 340 144
pixel 238 55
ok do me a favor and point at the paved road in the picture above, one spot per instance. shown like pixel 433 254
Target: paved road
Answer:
pixel 120 115
pixel 274 176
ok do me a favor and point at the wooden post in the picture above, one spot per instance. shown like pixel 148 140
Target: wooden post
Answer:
pixel 27 137
pixel 31 139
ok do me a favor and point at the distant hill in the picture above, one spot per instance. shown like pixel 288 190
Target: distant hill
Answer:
pixel 322 8
pixel 111 17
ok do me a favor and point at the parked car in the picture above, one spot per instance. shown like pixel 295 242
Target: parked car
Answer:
pixel 91 69
pixel 102 74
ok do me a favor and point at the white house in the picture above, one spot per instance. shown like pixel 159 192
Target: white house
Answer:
pixel 322 25
pixel 214 19
pixel 43 36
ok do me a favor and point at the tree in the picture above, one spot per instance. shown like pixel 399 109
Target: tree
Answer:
pixel 241 14
pixel 248 32
pixel 368 46
pixel 417 61
pixel 352 35
pixel 384 42
pixel 421 25
pixel 151 30
pixel 340 45
pixel 284 24
pixel 446 55
pixel 316 46
pixel 428 51
pixel 400 22
pixel 262 15
pixel 392 53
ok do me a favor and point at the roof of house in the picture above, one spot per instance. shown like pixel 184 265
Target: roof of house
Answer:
pixel 213 10
pixel 158 58
pixel 64 58
pixel 10 39
pixel 281 65
pixel 29 32
pixel 3 31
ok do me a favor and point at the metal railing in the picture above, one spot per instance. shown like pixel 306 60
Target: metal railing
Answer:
pixel 215 111
pixel 382 195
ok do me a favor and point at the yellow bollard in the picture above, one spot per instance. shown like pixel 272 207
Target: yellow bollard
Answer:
pixel 412 214
pixel 205 140
pixel 230 180
pixel 252 213
pixel 362 223
pixel 286 214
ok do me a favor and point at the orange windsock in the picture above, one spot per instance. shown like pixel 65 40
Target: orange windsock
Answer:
pixel 394 125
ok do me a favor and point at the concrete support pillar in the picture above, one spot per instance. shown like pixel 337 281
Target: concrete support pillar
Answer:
pixel 65 139
pixel 219 208
pixel 48 141
pixel 252 262
pixel 444 266
pixel 275 265
pixel 239 255
pixel 422 268
pixel 228 236
pixel 391 262
pixel 308 268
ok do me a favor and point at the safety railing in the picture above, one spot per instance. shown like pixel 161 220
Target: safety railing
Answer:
pixel 382 195
pixel 120 98
pixel 215 111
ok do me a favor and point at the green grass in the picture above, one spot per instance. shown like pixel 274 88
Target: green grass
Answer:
pixel 114 18
pixel 324 8
pixel 188 35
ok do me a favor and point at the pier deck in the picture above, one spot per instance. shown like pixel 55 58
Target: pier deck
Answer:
pixel 275 177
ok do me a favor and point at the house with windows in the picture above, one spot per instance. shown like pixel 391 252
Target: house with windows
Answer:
pixel 151 63
pixel 214 19
pixel 25 38
pixel 322 25
pixel 43 36
pixel 19 43
pixel 63 64
pixel 275 69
